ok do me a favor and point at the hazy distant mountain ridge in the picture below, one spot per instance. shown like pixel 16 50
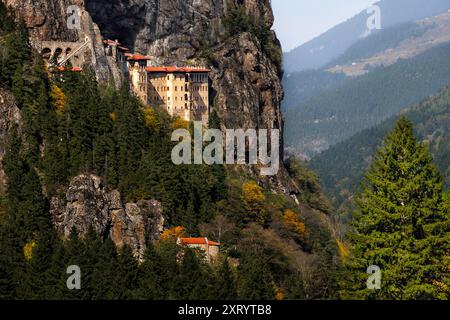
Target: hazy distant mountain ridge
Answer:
pixel 330 45
pixel 360 103
pixel 385 48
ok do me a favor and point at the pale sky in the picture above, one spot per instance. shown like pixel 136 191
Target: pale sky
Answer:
pixel 298 21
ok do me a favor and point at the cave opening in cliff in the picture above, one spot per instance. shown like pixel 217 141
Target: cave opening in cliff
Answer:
pixel 117 19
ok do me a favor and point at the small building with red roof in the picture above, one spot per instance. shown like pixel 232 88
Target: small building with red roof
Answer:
pixel 73 69
pixel 211 248
pixel 115 50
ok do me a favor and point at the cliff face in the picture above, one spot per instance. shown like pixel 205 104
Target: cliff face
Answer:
pixel 246 88
pixel 48 22
pixel 9 116
pixel 246 83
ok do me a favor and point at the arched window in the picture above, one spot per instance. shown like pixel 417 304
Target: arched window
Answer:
pixel 46 53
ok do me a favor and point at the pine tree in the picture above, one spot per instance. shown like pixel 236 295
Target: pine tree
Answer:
pixel 11 259
pixel 192 282
pixel 131 140
pixel 26 203
pixel 126 275
pixel 55 287
pixel 105 268
pixel 6 20
pixel 168 251
pixel 225 288
pixel 255 278
pixel 150 276
pixel 17 55
pixel 75 256
pixel 400 225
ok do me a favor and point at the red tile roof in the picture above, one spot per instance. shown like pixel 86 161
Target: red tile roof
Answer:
pixel 137 57
pixel 108 41
pixel 74 69
pixel 198 241
pixel 173 69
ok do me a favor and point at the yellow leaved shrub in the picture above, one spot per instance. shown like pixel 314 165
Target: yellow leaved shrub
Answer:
pixel 293 221
pixel 173 233
pixel 28 250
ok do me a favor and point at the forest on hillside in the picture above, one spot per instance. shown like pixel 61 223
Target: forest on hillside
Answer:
pixel 341 168
pixel 365 101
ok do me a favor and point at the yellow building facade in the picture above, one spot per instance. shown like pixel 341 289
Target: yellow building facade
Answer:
pixel 183 92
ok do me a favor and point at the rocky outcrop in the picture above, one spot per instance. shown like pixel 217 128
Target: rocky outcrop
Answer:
pixel 88 203
pixel 9 116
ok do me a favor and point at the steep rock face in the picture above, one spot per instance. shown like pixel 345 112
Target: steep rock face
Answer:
pixel 136 223
pixel 178 32
pixel 9 115
pixel 48 22
pixel 246 88
pixel 88 203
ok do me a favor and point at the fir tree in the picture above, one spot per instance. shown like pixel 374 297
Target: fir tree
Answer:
pixel 400 225
pixel 105 268
pixel 126 275
pixel 192 282
pixel 225 288
pixel 255 279
pixel 150 276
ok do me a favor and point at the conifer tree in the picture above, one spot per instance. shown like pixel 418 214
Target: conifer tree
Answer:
pixel 104 270
pixel 126 275
pixel 75 255
pixel 191 283
pixel 168 251
pixel 255 279
pixel 225 288
pixel 400 225
pixel 150 276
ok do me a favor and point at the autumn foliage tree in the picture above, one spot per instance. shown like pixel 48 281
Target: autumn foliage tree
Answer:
pixel 253 199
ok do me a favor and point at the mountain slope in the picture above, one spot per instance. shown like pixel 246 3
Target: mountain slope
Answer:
pixel 341 167
pixel 365 101
pixel 323 49
pixel 379 49
pixel 387 47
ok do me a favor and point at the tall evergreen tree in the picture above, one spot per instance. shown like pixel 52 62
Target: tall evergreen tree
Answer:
pixel 400 225
pixel 126 275
pixel 192 282
pixel 225 288
pixel 150 276
pixel 255 278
